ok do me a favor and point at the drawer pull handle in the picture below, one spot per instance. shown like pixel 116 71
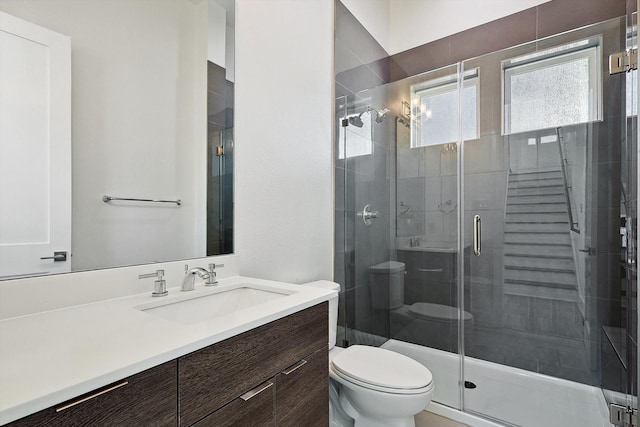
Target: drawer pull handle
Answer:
pixel 256 391
pixel 430 270
pixel 84 399
pixel 295 367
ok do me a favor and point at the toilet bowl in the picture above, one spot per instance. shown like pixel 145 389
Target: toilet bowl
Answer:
pixel 371 386
pixel 424 323
pixel 428 324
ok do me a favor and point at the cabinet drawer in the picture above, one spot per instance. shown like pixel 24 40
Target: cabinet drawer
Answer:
pixel 429 266
pixel 216 375
pixel 254 408
pixel 302 392
pixel 145 399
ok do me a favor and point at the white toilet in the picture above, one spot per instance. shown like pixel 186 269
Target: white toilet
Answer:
pixel 371 386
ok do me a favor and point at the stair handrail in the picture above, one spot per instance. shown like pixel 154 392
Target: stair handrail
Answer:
pixel 563 162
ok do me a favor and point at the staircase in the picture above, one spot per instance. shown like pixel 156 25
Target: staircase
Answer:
pixel 538 257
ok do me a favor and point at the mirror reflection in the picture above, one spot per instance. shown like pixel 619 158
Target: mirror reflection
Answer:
pixel 116 133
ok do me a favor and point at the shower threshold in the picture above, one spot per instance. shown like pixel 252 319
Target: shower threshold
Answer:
pixel 516 396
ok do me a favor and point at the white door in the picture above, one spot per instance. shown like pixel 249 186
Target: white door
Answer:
pixel 35 149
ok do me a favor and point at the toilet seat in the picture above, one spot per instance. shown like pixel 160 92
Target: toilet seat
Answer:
pixel 437 312
pixel 382 370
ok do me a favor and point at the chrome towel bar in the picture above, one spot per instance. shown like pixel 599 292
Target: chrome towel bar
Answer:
pixel 107 199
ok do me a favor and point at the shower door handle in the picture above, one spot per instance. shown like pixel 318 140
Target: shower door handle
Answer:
pixel 477 235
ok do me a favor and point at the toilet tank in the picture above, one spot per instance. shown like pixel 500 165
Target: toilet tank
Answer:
pixel 386 281
pixel 333 307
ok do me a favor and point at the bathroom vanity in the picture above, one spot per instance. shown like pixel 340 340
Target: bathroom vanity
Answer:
pixel 431 273
pixel 263 364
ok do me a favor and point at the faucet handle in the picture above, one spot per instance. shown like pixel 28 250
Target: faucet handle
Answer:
pixel 212 280
pixel 159 274
pixel 159 286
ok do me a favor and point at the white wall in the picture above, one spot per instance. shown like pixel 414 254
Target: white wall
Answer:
pixel 284 173
pixel 374 16
pixel 416 22
pixel 138 124
pixel 216 31
pixel 411 23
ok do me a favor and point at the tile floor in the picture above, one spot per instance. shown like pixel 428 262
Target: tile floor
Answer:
pixel 429 419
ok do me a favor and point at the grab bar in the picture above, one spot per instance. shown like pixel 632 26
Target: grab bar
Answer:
pixel 107 199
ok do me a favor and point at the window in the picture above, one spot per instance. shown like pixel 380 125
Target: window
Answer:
pixel 551 88
pixel 434 112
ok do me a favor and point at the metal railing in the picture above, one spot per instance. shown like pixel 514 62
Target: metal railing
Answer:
pixel 568 189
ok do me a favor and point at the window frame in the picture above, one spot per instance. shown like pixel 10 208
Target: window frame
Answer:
pixel 587 48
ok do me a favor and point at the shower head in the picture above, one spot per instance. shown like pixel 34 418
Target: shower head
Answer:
pixel 381 115
pixel 356 120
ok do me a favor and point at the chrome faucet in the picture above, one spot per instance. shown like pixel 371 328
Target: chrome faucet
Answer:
pixel 159 286
pixel 212 280
pixel 414 242
pixel 188 284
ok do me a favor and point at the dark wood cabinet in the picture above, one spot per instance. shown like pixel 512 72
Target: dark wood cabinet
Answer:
pixel 214 376
pixel 254 408
pixel 302 392
pixel 145 399
pixel 273 375
pixel 430 277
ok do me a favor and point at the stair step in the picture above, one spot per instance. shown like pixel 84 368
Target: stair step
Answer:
pixel 541 244
pixel 547 194
pixel 538 250
pixel 538 217
pixel 540 262
pixel 558 294
pixel 535 174
pixel 543 199
pixel 541 278
pixel 531 237
pixel 536 183
pixel 525 280
pixel 538 208
pixel 542 269
pixel 537 255
pixel 535 191
pixel 542 227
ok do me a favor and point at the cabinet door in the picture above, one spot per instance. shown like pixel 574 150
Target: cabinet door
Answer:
pixel 302 392
pixel 145 399
pixel 214 376
pixel 430 277
pixel 254 408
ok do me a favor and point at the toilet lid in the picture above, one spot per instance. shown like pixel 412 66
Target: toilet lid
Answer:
pixel 443 313
pixel 387 267
pixel 382 368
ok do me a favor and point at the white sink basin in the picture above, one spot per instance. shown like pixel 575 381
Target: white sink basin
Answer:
pixel 199 307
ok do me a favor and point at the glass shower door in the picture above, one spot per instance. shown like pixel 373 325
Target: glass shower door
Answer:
pixel 542 196
pixel 425 325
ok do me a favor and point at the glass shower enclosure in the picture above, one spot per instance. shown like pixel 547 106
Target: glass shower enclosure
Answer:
pixel 487 227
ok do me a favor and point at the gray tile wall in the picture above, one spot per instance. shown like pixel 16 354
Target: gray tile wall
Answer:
pixel 541 21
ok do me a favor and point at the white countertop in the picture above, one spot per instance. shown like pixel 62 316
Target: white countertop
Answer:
pixel 49 357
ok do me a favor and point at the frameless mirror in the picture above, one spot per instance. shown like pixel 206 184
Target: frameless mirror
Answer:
pixel 116 133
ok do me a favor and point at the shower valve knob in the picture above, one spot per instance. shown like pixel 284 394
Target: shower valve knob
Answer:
pixel 368 215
